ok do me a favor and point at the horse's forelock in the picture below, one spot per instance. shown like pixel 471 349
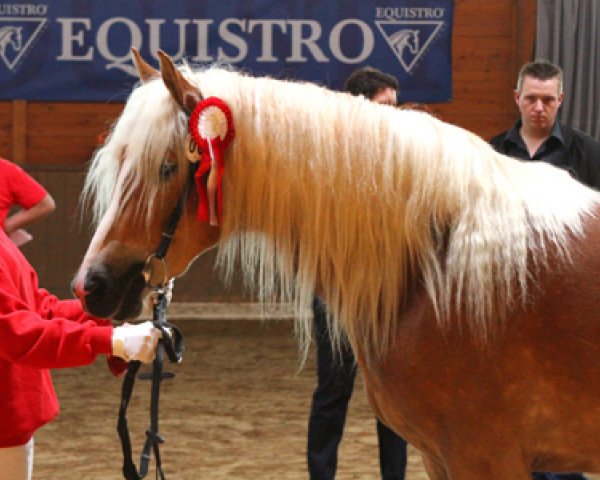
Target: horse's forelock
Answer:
pixel 149 127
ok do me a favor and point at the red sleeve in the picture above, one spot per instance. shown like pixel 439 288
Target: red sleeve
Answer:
pixel 71 309
pixel 50 307
pixel 25 191
pixel 36 328
pixel 31 339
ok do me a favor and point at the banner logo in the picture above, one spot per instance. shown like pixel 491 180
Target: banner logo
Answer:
pixel 409 40
pixel 16 37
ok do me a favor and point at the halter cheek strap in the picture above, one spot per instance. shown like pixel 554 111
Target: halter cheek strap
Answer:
pixel 211 129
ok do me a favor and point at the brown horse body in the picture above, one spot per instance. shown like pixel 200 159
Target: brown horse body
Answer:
pixel 527 400
pixel 525 396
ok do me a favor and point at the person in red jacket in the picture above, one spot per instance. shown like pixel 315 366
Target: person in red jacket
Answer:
pixel 39 332
pixel 18 189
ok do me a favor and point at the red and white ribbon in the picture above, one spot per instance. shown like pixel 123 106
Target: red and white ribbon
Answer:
pixel 211 127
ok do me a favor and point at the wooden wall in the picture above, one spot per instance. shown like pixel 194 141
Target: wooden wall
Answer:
pixel 491 40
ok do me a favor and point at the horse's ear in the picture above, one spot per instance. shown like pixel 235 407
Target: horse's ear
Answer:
pixel 184 93
pixel 145 71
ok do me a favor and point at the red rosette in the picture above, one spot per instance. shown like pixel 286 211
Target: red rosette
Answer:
pixel 211 127
pixel 222 139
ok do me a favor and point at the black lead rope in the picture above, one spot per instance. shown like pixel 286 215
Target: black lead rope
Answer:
pixel 171 343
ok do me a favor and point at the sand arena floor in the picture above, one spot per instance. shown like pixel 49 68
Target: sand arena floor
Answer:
pixel 237 409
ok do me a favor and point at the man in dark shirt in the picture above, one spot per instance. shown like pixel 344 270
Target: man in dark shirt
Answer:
pixel 539 136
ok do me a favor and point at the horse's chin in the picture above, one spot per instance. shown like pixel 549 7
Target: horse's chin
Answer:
pixel 117 298
pixel 131 303
pixel 128 311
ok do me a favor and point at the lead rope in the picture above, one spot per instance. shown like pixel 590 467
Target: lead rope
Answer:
pixel 171 343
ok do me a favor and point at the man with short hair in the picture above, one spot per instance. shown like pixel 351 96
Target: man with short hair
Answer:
pixel 539 136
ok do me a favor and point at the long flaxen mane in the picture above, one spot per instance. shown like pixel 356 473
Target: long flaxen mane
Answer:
pixel 328 192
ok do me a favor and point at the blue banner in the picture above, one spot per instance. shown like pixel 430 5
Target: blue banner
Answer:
pixel 79 50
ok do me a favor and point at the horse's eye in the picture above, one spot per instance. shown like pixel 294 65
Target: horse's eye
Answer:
pixel 167 170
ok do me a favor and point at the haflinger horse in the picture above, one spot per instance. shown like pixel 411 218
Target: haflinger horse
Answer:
pixel 467 283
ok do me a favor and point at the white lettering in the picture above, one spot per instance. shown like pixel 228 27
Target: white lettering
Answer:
pixel 233 40
pixel 28 9
pixel 310 42
pixel 123 62
pixel 202 29
pixel 69 38
pixel 267 37
pixel 335 43
pixel 409 13
pixel 155 44
pixel 80 40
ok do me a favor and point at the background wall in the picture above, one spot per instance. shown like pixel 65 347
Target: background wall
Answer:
pixel 54 141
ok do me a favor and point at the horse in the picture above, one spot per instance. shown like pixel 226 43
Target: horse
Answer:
pixel 466 282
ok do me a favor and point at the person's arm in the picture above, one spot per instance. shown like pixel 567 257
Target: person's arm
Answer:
pixel 129 342
pixel 26 216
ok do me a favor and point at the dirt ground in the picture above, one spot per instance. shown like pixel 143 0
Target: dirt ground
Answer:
pixel 237 409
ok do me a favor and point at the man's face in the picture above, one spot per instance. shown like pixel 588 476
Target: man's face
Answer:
pixel 385 96
pixel 538 103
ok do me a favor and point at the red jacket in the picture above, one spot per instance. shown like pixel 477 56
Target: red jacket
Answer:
pixel 37 332
pixel 17 188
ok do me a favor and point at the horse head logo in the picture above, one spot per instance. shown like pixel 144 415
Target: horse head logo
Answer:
pixel 404 39
pixel 11 38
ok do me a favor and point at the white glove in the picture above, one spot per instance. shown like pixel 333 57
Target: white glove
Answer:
pixel 135 342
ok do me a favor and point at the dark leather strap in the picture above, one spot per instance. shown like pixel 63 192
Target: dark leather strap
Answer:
pixel 171 226
pixel 129 470
pixel 171 343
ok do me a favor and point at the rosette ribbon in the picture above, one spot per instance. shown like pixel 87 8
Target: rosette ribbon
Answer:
pixel 211 129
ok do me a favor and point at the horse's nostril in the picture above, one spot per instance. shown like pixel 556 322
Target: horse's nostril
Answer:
pixel 95 281
pixel 100 291
pixel 105 294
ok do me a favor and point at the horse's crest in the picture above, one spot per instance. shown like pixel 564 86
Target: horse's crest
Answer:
pixel 16 36
pixel 409 40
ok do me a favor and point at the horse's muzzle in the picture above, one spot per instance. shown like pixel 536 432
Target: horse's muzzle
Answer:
pixel 108 295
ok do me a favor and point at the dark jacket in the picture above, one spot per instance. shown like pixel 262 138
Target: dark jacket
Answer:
pixel 566 148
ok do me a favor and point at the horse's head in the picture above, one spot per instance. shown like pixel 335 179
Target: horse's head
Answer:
pixel 135 181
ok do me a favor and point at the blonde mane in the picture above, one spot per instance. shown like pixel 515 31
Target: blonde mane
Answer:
pixel 328 192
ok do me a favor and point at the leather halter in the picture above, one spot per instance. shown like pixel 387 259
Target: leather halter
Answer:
pixel 171 343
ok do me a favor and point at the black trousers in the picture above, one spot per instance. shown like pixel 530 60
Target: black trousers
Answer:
pixel 335 382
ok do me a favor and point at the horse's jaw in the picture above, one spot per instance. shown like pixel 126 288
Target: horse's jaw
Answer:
pixel 111 284
pixel 117 297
